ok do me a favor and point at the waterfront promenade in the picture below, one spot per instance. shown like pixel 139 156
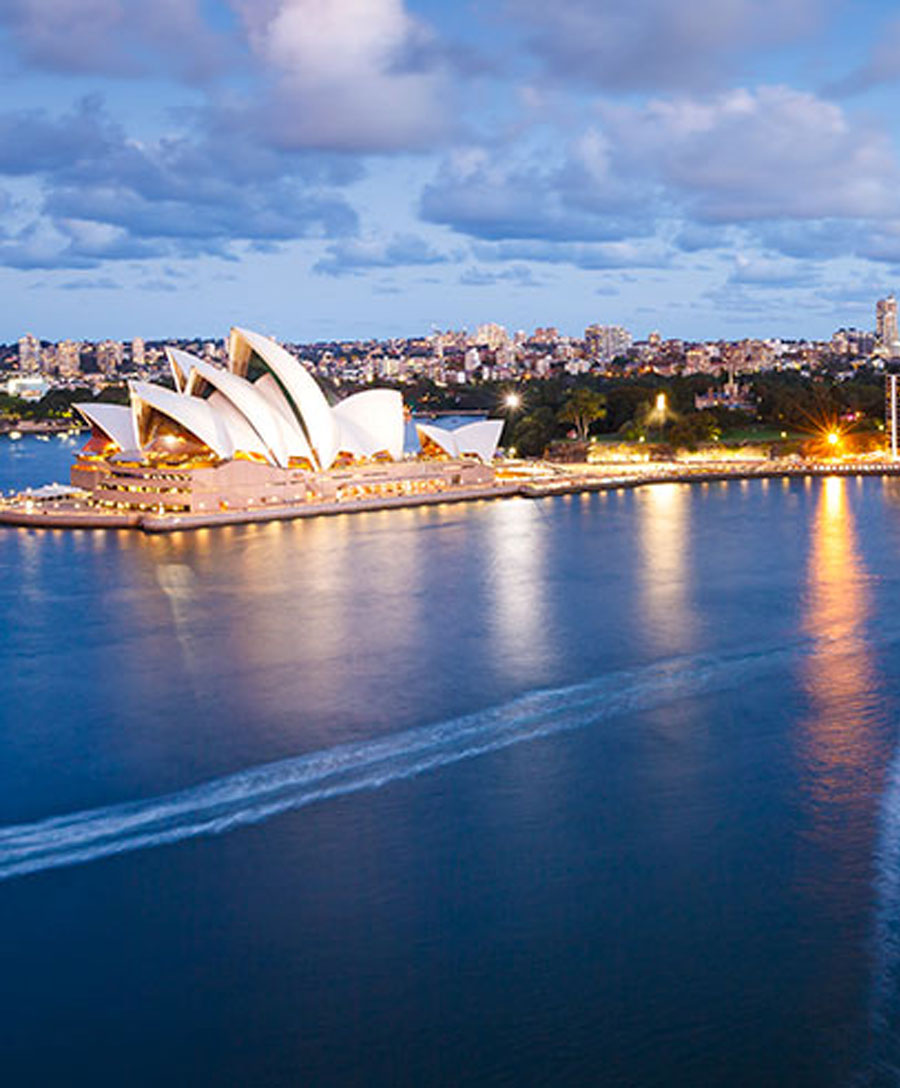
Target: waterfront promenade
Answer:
pixel 531 480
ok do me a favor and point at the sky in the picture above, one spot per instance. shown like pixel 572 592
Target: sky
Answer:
pixel 341 169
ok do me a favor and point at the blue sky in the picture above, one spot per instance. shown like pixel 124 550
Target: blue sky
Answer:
pixel 345 168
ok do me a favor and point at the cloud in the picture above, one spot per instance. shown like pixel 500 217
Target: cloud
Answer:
pixel 45 243
pixel 345 75
pixel 880 67
pixel 124 38
pixel 93 283
pixel 809 238
pixel 695 237
pixel 104 196
pixel 490 195
pixel 882 242
pixel 655 44
pixel 584 255
pixel 32 141
pixel 518 274
pixel 759 271
pixel 768 153
pixel 358 75
pixel 355 255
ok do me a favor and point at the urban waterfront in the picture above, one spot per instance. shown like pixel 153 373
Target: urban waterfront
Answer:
pixel 601 789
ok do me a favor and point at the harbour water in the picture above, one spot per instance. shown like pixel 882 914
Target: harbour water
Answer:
pixel 601 789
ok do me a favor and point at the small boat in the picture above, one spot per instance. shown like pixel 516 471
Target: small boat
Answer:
pixel 15 434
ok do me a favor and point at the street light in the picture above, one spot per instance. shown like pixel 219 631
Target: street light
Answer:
pixel 512 401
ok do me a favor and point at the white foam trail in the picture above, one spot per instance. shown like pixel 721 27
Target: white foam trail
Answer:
pixel 883 1067
pixel 258 793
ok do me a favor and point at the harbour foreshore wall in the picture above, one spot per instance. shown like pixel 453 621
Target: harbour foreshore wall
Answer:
pixel 58 516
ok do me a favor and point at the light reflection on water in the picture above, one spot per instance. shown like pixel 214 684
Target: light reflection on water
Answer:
pixel 663 536
pixel 517 588
pixel 840 740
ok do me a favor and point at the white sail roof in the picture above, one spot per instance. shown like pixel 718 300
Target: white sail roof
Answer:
pixel 374 420
pixel 299 385
pixel 116 421
pixel 193 414
pixel 180 363
pixel 243 438
pixel 479 439
pixel 440 436
pixel 294 438
pixel 280 435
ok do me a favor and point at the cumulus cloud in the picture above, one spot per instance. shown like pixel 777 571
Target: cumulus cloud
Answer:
pixel 357 75
pixel 33 141
pixel 355 255
pixel 45 244
pixel 768 272
pixel 764 154
pixel 490 195
pixel 655 44
pixel 104 196
pixel 811 238
pixel 350 75
pixel 115 37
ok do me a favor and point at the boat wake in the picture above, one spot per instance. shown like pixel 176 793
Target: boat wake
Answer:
pixel 258 793
pixel 883 1065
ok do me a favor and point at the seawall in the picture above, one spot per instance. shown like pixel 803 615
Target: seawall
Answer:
pixel 62 515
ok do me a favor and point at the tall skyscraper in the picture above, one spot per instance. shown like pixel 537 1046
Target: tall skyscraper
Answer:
pixel 886 325
pixel 29 352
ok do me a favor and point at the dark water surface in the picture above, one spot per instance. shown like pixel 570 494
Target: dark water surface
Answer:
pixel 599 790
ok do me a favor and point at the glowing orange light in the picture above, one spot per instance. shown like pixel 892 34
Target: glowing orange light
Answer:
pixel 833 438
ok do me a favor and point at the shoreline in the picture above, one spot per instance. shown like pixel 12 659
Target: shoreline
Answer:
pixel 55 515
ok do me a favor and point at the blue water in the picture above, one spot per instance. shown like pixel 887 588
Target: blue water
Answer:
pixel 595 790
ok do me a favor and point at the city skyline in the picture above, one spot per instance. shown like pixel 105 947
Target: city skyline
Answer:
pixel 349 170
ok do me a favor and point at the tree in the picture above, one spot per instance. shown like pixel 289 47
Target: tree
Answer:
pixel 691 430
pixel 583 408
pixel 532 433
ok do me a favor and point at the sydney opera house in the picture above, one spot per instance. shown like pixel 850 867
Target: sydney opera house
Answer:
pixel 259 433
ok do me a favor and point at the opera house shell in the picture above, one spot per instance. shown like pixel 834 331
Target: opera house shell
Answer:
pixel 263 409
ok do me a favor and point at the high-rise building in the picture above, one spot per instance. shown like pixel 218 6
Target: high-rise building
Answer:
pixel 29 352
pixel 109 356
pixel 68 357
pixel 605 342
pixel 886 325
pixel 491 336
pixel 137 352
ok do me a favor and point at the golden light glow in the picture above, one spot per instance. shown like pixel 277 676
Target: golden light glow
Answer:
pixel 512 401
pixel 833 438
pixel 664 540
pixel 839 741
pixel 660 402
